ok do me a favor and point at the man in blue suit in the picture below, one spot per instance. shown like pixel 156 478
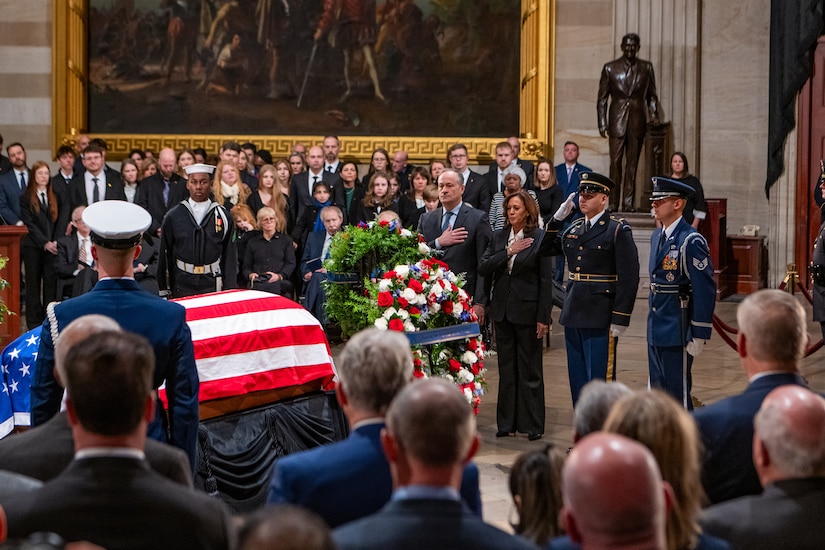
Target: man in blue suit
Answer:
pixel 430 435
pixel 682 292
pixel 315 252
pixel 773 333
pixel 351 479
pixel 568 174
pixel 12 184
pixel 116 230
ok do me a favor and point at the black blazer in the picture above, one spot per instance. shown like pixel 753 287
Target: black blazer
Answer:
pixel 409 212
pixel 120 503
pixel 41 228
pixel 477 192
pixel 525 295
pixel 77 194
pixel 150 196
pixel 358 193
pixel 67 261
pixel 464 257
pixel 300 196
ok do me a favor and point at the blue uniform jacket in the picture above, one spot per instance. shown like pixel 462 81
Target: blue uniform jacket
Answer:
pixel 607 250
pixel 683 260
pixel 163 324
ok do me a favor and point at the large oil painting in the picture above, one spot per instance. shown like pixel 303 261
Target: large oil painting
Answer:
pixel 304 67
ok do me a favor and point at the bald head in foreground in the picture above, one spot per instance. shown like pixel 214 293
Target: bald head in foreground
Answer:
pixel 614 496
pixel 789 455
pixel 430 435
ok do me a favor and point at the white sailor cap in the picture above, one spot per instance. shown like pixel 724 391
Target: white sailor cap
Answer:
pixel 116 224
pixel 199 169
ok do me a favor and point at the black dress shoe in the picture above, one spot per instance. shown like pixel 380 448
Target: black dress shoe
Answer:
pixel 533 436
pixel 503 434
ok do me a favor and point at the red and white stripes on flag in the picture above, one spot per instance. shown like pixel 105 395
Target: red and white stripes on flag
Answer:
pixel 247 340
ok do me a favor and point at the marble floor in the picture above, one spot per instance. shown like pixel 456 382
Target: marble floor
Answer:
pixel 716 374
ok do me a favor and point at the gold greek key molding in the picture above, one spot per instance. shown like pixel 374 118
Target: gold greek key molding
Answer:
pixel 536 126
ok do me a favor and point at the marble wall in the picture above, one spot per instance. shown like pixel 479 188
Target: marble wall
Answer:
pixel 25 76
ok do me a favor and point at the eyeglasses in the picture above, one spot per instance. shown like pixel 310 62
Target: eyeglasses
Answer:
pixel 268 219
pixel 458 156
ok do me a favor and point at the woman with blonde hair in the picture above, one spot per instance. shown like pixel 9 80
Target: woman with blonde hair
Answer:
pixel 269 192
pixel 149 167
pixel 228 188
pixel 658 422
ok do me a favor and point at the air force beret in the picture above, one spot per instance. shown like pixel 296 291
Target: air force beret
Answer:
pixel 116 224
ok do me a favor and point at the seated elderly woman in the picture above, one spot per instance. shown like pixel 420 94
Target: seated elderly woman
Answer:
pixel 269 260
pixel 514 178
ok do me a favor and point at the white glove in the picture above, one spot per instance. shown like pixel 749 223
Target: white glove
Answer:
pixel 695 346
pixel 565 209
pixel 617 330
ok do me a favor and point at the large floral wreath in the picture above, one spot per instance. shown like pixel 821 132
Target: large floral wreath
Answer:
pixel 408 296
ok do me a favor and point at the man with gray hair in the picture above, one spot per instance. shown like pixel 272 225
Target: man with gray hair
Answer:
pixel 350 479
pixel 430 435
pixel 614 495
pixel 772 337
pixel 596 400
pixel 45 451
pixel 789 455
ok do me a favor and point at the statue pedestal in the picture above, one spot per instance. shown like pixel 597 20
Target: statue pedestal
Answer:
pixel 656 162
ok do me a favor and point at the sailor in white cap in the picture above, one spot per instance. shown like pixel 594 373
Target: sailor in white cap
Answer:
pixel 197 255
pixel 116 230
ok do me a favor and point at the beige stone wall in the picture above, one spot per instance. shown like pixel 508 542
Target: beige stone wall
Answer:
pixel 25 76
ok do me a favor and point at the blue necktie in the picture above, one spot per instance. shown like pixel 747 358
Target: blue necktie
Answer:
pixel 165 193
pixel 22 180
pixel 446 222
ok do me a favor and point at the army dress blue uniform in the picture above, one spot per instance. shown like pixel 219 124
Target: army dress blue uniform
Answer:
pixel 601 290
pixel 678 266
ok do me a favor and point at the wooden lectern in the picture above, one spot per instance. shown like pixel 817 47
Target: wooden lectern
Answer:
pixel 715 228
pixel 10 236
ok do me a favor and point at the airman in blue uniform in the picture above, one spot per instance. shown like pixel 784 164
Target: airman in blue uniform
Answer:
pixel 682 292
pixel 602 284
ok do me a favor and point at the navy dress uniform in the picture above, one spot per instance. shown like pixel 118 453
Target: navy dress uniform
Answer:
pixel 197 255
pixel 681 274
pixel 604 276
pixel 119 225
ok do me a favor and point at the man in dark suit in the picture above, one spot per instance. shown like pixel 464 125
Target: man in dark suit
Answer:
pixel 315 252
pixel 116 229
pixel 162 191
pixel 108 495
pixel 630 86
pixel 476 191
pixel 65 158
pixel 76 273
pixel 12 184
pixel 332 146
pixel 351 479
pixel 771 342
pixel 526 165
pixel 463 234
pixel 402 168
pixel 495 174
pixel 789 455
pixel 430 435
pixel 601 287
pixel 300 190
pixel 45 451
pixel 93 185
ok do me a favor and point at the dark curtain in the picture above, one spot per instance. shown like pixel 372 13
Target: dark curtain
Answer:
pixel 795 27
pixel 236 452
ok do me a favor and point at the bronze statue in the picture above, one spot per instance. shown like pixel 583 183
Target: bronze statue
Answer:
pixel 630 84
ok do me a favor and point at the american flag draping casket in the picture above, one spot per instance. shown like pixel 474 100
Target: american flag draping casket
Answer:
pixel 247 343
pixel 250 341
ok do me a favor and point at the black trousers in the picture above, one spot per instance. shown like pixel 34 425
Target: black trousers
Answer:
pixel 521 380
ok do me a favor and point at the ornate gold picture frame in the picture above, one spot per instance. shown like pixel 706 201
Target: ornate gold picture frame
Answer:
pixel 70 91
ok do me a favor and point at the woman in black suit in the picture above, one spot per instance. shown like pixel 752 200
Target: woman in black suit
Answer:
pixel 518 262
pixel 38 210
